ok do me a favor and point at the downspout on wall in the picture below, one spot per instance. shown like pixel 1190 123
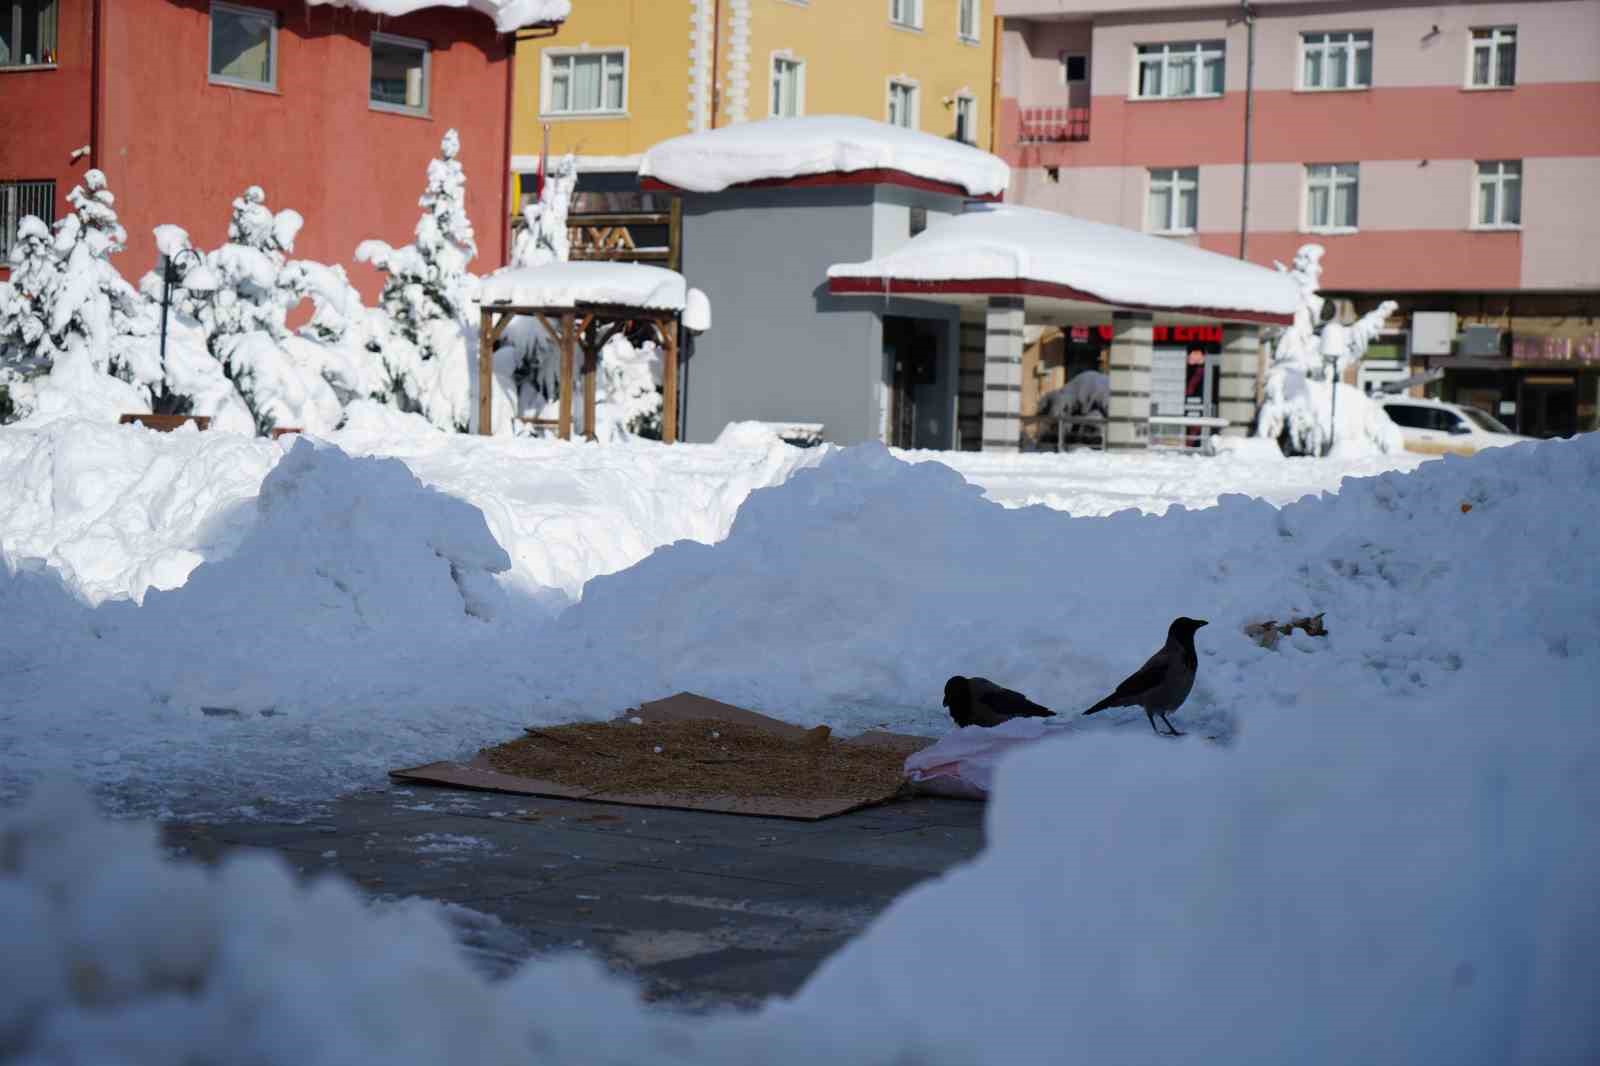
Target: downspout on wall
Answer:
pixel 507 208
pixel 96 82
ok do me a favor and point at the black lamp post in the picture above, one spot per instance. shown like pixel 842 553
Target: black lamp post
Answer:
pixel 169 278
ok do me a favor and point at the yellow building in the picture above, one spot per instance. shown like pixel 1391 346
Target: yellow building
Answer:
pixel 624 75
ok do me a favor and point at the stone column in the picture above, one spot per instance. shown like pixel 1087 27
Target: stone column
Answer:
pixel 969 383
pixel 1241 363
pixel 1002 375
pixel 1129 426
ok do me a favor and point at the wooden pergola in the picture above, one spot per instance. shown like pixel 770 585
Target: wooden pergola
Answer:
pixel 587 327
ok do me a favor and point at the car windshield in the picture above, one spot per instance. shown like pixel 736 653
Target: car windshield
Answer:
pixel 1483 420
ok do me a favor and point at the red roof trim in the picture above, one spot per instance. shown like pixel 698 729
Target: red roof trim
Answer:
pixel 1028 287
pixel 875 176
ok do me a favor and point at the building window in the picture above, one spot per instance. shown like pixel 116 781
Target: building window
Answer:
pixel 1074 68
pixel 1499 194
pixel 27 33
pixel 907 13
pixel 1174 203
pixel 244 46
pixel 1493 58
pixel 903 104
pixel 788 87
pixel 1179 69
pixel 19 199
pixel 1336 60
pixel 585 83
pixel 400 69
pixel 1332 195
pixel 966 120
pixel 967 19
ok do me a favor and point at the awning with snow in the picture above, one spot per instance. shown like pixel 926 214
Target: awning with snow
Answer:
pixel 583 283
pixel 1070 271
pixel 821 150
pixel 508 15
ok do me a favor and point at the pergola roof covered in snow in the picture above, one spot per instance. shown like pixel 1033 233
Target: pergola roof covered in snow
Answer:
pixel 508 15
pixel 574 284
pixel 821 149
pixel 1072 267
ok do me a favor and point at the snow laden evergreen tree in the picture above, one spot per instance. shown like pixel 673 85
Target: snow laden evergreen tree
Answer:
pixel 66 309
pixel 541 239
pixel 428 294
pixel 1308 358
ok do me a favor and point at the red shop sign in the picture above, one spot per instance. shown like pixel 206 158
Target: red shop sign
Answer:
pixel 1174 334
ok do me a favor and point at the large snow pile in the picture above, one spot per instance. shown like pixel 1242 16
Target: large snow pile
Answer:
pixel 508 15
pixel 778 148
pixel 1109 263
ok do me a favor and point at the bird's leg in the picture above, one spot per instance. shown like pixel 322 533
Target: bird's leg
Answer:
pixel 1152 718
pixel 1175 732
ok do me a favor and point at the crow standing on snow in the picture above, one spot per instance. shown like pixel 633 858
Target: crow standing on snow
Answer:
pixel 1161 685
pixel 979 701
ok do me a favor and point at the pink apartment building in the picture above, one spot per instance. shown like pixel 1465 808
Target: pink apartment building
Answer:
pixel 1446 155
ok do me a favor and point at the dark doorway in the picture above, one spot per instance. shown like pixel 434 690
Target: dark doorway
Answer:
pixel 1548 406
pixel 911 360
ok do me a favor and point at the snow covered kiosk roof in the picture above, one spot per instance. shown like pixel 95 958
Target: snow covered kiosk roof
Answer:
pixel 1079 267
pixel 508 15
pixel 821 150
pixel 569 284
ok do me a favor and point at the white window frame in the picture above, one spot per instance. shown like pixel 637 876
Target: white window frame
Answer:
pixel 1354 42
pixel 1200 51
pixel 972 127
pixel 911 7
pixel 972 34
pixel 1499 179
pixel 547 60
pixel 271 84
pixel 427 76
pixel 1331 181
pixel 785 56
pixel 1175 180
pixel 916 102
pixel 1497 36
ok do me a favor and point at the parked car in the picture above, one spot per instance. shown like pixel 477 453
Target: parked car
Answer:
pixel 1436 428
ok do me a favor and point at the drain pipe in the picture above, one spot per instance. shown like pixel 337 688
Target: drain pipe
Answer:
pixel 1249 18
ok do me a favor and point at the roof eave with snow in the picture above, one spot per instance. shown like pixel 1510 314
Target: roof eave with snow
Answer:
pixel 1059 303
pixel 836 178
pixel 508 15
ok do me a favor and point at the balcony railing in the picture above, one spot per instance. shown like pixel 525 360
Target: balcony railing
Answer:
pixel 1052 125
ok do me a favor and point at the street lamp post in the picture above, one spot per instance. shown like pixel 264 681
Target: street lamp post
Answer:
pixel 1334 344
pixel 169 278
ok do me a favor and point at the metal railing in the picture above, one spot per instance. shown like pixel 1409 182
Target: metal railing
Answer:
pixel 19 199
pixel 1052 125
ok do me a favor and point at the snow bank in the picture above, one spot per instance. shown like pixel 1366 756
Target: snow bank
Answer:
pixel 508 15
pixel 1108 263
pixel 566 284
pixel 777 148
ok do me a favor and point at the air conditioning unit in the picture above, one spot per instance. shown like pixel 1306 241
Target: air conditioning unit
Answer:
pixel 1432 332
pixel 1480 342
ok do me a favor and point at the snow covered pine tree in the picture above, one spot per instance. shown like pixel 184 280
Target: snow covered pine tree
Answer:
pixel 428 295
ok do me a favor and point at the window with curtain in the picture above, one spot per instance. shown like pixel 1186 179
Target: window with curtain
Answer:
pixel 967 20
pixel 1336 60
pixel 788 87
pixel 1179 68
pixel 906 13
pixel 903 104
pixel 1494 58
pixel 27 33
pixel 399 74
pixel 1332 196
pixel 1174 202
pixel 578 83
pixel 244 46
pixel 1500 193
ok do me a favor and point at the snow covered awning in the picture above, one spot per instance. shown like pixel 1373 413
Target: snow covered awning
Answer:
pixel 508 15
pixel 821 150
pixel 580 284
pixel 1070 270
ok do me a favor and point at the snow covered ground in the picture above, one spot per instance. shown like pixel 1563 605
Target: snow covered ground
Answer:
pixel 1389 859
pixel 355 613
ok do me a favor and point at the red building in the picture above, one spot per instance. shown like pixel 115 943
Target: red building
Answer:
pixel 332 110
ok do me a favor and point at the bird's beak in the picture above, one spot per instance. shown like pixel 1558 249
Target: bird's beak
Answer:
pixel 1201 622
